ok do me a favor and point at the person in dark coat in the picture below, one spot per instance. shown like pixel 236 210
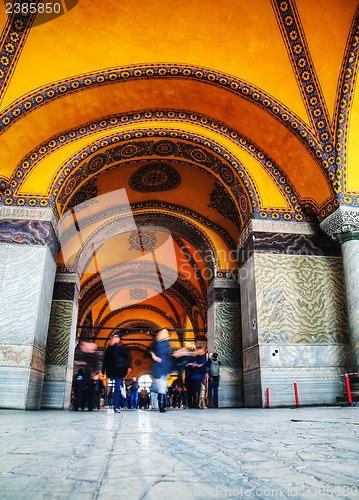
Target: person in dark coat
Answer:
pixel 134 393
pixel 196 373
pixel 213 365
pixel 88 360
pixel 117 366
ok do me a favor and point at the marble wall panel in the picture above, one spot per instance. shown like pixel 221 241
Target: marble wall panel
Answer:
pixel 210 328
pixel 350 250
pixel 230 395
pixel 14 383
pixel 302 356
pixel 58 342
pixel 15 355
pixel 310 391
pixel 300 299
pixel 29 233
pixel 227 340
pixel 248 304
pixel 317 243
pixel 26 278
pixel 34 390
pixel 251 358
pixel 53 394
pixel 252 389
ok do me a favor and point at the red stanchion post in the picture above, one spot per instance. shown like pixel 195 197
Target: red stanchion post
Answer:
pixel 348 391
pixel 267 397
pixel 296 394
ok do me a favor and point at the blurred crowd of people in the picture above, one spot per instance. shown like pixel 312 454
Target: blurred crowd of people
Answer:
pixel 196 385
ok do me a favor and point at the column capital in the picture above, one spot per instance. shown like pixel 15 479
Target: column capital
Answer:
pixel 30 213
pixel 222 283
pixel 343 220
pixel 68 278
pixel 349 236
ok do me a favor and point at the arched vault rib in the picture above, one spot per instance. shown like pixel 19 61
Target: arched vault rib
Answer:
pixel 134 308
pixel 93 290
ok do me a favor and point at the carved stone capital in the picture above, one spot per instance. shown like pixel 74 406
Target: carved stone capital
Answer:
pixel 68 278
pixel 30 213
pixel 271 226
pixel 343 220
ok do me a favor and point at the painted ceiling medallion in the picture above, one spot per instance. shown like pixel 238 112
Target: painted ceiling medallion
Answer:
pixel 144 241
pixel 138 294
pixel 223 204
pixel 155 177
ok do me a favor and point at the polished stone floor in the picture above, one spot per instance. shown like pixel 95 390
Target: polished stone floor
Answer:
pixel 226 453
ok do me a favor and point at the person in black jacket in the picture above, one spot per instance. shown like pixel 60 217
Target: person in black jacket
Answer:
pixel 88 360
pixel 117 366
pixel 134 393
pixel 213 365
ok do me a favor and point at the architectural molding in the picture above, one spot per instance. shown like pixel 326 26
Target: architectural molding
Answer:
pixel 68 278
pixel 350 236
pixel 222 283
pixel 343 220
pixel 29 213
pixel 270 226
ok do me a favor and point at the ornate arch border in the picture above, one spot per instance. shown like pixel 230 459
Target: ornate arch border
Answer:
pixel 10 196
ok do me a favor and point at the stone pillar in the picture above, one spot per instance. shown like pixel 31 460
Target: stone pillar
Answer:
pixel 61 343
pixel 28 254
pixel 224 337
pixel 343 225
pixel 294 318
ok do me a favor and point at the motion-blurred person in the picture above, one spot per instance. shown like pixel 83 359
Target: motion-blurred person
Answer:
pixel 196 373
pixel 153 396
pixel 202 396
pixel 96 390
pixel 117 366
pixel 160 352
pixel 88 360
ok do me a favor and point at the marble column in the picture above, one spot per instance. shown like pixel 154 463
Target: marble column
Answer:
pixel 61 339
pixel 343 225
pixel 294 320
pixel 28 253
pixel 224 337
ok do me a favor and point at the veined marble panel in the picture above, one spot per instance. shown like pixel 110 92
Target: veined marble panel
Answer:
pixel 210 328
pixel 26 278
pixel 310 392
pixel 251 358
pixel 248 304
pixel 302 356
pixel 58 340
pixel 34 390
pixel 14 383
pixel 38 359
pixel 53 394
pixel 230 395
pixel 252 386
pixel 54 372
pixel 72 344
pixel 15 355
pixel 227 340
pixel 350 251
pixel 45 300
pixel 29 232
pixel 300 299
